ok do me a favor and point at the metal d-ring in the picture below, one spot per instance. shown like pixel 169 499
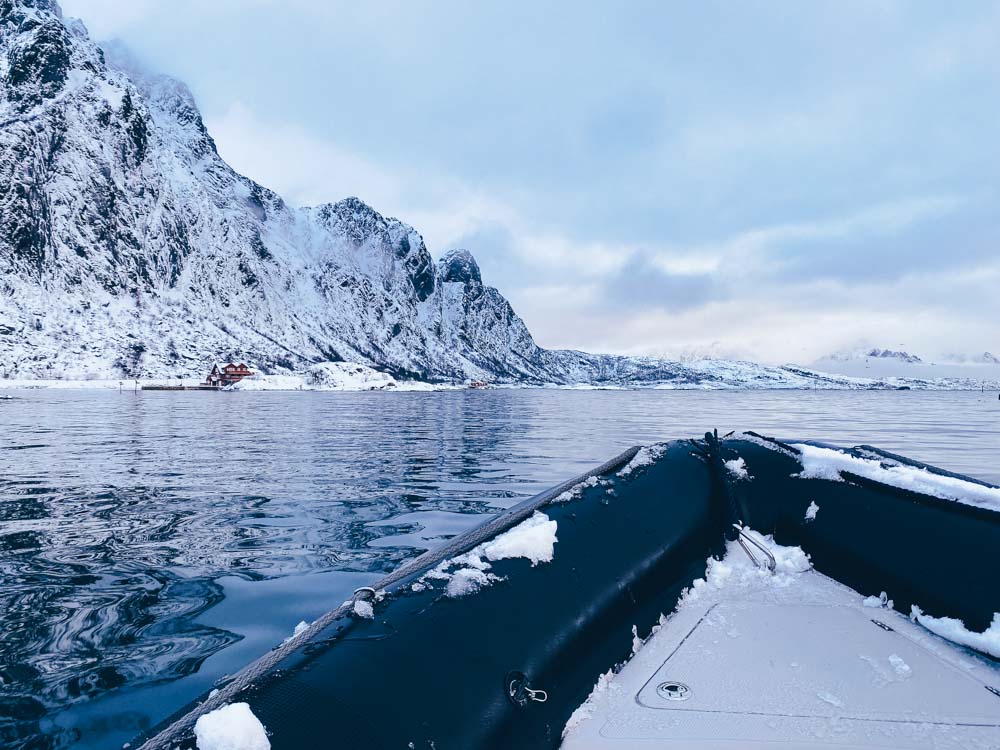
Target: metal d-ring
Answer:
pixel 520 692
pixel 745 537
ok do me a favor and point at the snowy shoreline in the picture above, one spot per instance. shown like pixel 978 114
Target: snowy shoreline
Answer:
pixel 354 377
pixel 296 382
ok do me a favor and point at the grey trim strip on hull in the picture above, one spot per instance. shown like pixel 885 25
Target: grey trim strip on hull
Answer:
pixel 177 730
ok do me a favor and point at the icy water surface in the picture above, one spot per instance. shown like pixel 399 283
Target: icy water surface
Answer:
pixel 153 542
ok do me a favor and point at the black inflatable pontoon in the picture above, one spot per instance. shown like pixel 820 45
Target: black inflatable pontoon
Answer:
pixel 506 666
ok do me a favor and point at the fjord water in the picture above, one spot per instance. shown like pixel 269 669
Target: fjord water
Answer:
pixel 151 543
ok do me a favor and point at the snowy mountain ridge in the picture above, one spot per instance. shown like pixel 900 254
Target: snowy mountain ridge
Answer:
pixel 129 248
pixel 874 353
pixel 986 358
pixel 900 366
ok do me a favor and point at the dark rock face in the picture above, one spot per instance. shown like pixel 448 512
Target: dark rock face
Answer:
pixel 460 266
pixel 37 67
pixel 890 354
pixel 23 208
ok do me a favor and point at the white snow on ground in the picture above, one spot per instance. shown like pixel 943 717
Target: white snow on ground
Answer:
pixel 955 631
pixel 811 511
pixel 108 378
pixel 325 376
pixel 90 384
pixel 232 727
pixel 262 382
pixel 534 538
pixel 646 456
pixel 827 463
pixel 738 468
pixel 574 492
pixel 585 387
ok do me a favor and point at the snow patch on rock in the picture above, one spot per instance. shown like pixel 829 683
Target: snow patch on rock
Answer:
pixel 325 376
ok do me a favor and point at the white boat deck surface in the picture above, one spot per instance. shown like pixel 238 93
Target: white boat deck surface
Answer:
pixel 790 660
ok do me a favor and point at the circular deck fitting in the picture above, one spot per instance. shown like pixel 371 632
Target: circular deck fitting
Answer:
pixel 673 691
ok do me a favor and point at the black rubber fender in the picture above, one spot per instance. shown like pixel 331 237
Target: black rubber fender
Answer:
pixel 435 671
pixel 873 537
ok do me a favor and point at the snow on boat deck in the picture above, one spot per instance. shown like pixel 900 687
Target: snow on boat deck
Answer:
pixel 751 660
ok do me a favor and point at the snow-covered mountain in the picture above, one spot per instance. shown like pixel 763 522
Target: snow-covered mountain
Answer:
pixel 874 353
pixel 986 358
pixel 867 362
pixel 128 247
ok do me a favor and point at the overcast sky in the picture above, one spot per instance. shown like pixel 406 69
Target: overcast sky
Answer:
pixel 775 180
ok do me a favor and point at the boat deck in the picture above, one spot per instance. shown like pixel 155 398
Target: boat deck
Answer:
pixel 796 659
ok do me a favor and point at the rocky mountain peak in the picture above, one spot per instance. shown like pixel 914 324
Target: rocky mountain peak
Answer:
pixel 38 58
pixel 460 266
pixel 16 8
pixel 353 218
pixel 892 354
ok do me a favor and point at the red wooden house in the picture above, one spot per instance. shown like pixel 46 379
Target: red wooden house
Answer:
pixel 223 375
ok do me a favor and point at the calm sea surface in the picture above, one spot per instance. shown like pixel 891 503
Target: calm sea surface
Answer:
pixel 153 542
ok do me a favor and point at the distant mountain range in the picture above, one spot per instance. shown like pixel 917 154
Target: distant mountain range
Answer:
pixel 850 356
pixel 867 362
pixel 128 247
pixel 986 358
pixel 866 353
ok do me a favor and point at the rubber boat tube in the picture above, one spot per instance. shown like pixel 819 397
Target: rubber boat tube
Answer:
pixel 876 537
pixel 505 666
